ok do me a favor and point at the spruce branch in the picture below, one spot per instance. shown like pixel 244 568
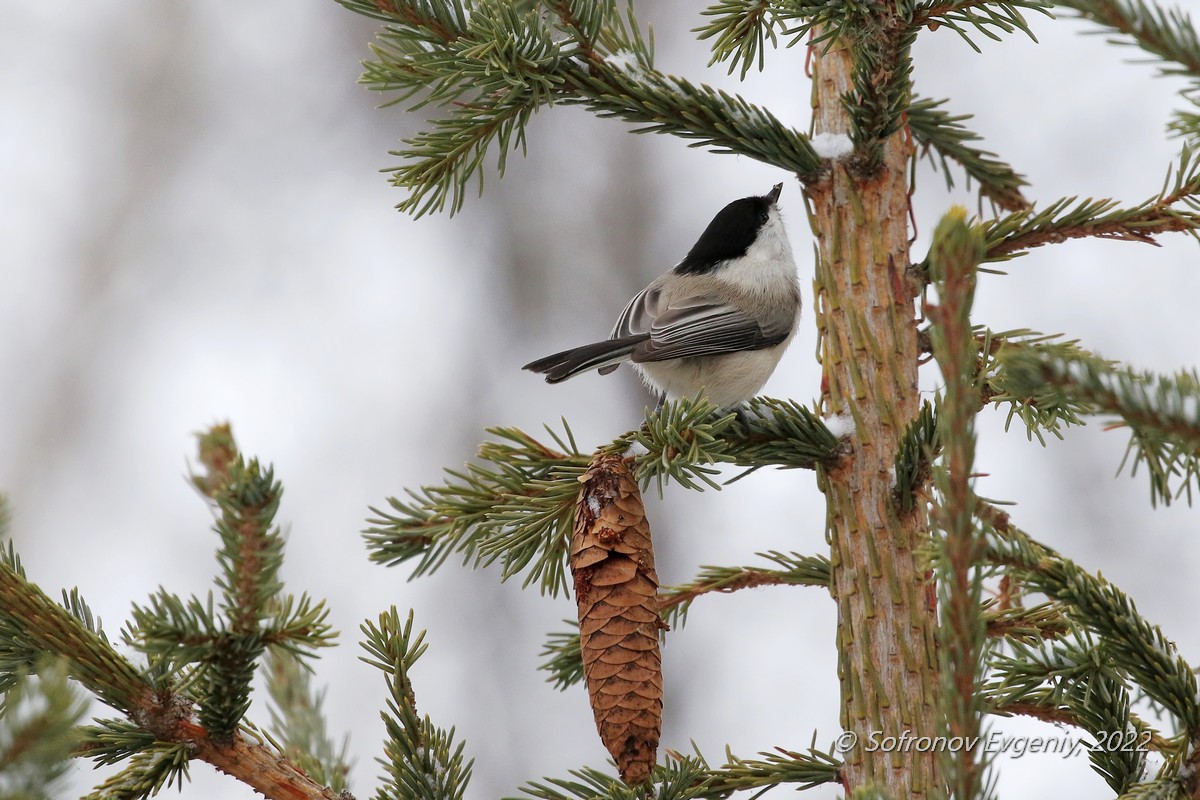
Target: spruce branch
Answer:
pixel 1167 33
pixel 420 760
pixel 187 703
pixel 217 451
pixel 712 118
pixel 1132 645
pixel 986 17
pixel 595 23
pixel 33 627
pixel 298 720
pixel 1175 208
pixel 807 770
pixel 1186 124
pixel 516 505
pixel 1040 409
pixel 943 138
pixel 250 555
pixel 111 741
pixel 1084 680
pixel 217 645
pixel 919 446
pixel 785 434
pixel 685 437
pixel 154 767
pixel 1025 625
pixel 563 657
pixel 164 739
pixel 882 90
pixel 175 633
pixel 682 442
pixel 37 733
pixel 212 645
pixel 821 22
pixel 674 781
pixel 161 733
pixel 690 778
pixel 1167 788
pixel 1072 680
pixel 497 64
pixel 740 30
pixel 954 257
pixel 1161 412
pixel 795 570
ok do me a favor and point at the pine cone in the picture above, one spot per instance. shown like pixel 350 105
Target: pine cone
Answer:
pixel 612 561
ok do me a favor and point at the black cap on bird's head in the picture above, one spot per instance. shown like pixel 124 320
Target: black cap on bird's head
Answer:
pixel 730 234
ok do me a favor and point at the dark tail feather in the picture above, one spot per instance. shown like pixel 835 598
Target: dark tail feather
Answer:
pixel 604 356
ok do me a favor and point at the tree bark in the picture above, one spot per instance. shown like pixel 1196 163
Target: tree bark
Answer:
pixel 868 347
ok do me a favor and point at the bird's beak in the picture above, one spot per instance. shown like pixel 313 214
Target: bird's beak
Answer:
pixel 773 195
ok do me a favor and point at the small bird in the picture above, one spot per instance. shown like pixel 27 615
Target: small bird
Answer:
pixel 718 322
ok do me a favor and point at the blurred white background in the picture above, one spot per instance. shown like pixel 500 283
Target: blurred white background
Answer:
pixel 194 228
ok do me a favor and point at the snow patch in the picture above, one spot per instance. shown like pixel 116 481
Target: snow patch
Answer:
pixel 841 426
pixel 635 449
pixel 625 61
pixel 831 145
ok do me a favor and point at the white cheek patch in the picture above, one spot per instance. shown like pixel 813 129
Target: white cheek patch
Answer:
pixel 768 265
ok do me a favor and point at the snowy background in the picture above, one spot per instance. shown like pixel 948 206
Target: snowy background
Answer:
pixel 194 228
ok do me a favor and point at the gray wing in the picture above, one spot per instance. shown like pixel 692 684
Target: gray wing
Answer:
pixel 689 327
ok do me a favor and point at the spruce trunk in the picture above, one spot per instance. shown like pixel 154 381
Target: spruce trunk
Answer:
pixel 869 352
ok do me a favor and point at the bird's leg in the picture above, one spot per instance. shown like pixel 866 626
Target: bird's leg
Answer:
pixel 662 401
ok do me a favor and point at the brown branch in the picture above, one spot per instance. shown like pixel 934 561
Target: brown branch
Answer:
pixel 261 768
pixel 954 258
pixel 92 661
pixel 996 517
pixel 926 16
pixel 217 452
pixel 586 45
pixel 252 541
pixel 1018 627
pixel 749 579
pixel 408 15
pixel 1053 714
pixel 1110 402
pixel 1158 218
pixel 1139 228
pixel 1058 715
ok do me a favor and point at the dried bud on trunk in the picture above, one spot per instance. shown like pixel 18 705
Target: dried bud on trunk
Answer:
pixel 612 561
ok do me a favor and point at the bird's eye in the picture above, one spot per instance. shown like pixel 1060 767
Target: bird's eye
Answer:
pixel 764 215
